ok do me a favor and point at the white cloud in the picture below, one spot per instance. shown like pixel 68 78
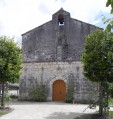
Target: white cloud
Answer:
pixel 84 9
pixel 19 16
pixel 96 21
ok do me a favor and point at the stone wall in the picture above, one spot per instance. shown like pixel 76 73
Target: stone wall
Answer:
pixel 42 43
pixel 52 51
pixel 48 72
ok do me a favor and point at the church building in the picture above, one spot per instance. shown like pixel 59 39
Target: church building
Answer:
pixel 52 56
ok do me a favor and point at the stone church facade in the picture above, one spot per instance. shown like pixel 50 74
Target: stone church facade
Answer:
pixel 52 55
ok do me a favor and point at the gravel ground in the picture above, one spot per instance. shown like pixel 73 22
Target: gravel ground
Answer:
pixel 48 110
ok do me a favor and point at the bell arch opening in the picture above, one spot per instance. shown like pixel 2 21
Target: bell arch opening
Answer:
pixel 61 19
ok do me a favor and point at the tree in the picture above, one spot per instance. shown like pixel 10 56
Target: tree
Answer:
pixel 110 3
pixel 10 63
pixel 98 61
pixel 109 21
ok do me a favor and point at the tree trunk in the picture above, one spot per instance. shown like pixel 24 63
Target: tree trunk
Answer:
pixel 106 98
pixel 2 99
pixel 101 99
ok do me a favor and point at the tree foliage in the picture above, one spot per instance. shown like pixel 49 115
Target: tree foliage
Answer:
pixel 97 61
pixel 109 21
pixel 110 3
pixel 98 56
pixel 10 62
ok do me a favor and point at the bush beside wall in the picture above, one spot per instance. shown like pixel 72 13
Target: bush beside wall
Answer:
pixel 38 93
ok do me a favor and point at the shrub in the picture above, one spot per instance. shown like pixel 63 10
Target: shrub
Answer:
pixel 13 96
pixel 70 92
pixel 38 93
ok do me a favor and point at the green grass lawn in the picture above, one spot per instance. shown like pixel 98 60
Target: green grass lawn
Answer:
pixel 2 113
pixel 5 110
pixel 111 101
pixel 111 113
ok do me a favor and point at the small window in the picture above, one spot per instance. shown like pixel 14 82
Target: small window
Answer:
pixel 61 19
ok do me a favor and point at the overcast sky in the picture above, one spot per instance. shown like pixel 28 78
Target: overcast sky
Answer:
pixel 20 16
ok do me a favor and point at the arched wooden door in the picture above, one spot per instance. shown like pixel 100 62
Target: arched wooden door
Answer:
pixel 59 90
